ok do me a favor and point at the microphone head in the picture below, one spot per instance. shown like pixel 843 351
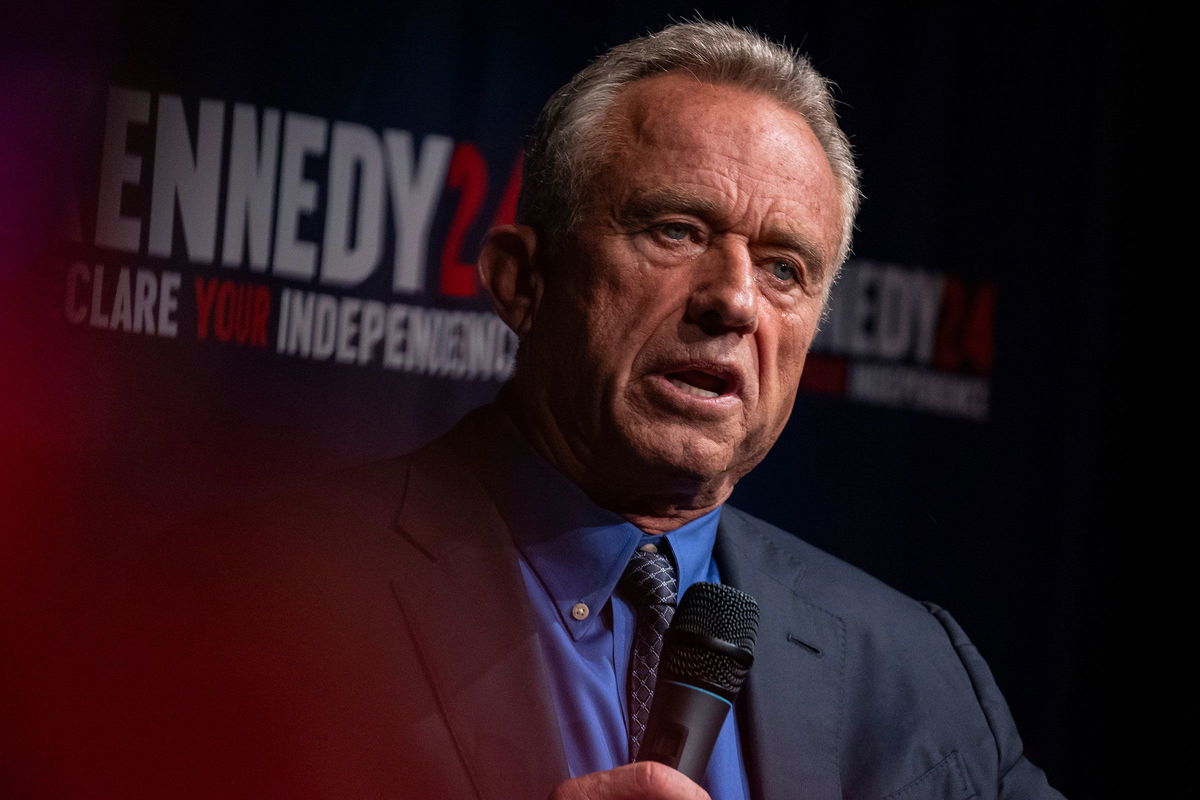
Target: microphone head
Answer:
pixel 711 638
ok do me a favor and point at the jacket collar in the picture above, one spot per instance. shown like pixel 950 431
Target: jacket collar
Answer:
pixel 791 706
pixel 462 597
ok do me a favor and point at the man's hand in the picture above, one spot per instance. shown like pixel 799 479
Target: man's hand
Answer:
pixel 645 780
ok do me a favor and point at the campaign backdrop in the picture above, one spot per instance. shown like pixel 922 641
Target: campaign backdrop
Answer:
pixel 240 243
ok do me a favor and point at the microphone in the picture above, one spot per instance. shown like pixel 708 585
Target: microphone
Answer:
pixel 707 651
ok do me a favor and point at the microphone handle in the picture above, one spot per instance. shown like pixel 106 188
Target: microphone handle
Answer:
pixel 683 726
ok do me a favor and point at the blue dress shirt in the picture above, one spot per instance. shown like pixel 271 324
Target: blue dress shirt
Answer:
pixel 572 553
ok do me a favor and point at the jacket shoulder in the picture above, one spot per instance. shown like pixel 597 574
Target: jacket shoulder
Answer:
pixel 823 579
pixel 920 704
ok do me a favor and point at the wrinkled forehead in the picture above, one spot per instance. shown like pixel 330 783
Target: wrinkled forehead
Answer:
pixel 725 145
pixel 651 109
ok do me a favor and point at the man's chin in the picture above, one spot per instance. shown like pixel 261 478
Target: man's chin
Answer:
pixel 681 456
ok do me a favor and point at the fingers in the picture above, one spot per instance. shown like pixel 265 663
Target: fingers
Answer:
pixel 645 780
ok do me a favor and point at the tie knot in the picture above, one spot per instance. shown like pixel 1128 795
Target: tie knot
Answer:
pixel 649 579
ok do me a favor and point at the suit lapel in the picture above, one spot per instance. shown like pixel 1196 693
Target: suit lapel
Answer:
pixel 791 707
pixel 463 599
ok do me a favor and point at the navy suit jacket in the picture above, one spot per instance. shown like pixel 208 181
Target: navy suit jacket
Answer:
pixel 375 640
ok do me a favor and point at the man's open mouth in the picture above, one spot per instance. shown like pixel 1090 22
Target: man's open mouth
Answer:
pixel 699 383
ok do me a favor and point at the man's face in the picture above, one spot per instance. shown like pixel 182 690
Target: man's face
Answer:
pixel 670 339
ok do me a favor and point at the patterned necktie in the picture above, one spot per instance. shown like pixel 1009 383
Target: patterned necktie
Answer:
pixel 649 584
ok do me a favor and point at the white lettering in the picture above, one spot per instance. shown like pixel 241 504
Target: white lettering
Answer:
pixel 347 329
pixel 462 344
pixel 145 291
pixel 192 178
pixel 415 192
pixel 349 262
pixel 393 345
pixel 122 307
pixel 168 302
pixel 922 390
pixel 118 169
pixel 863 326
pixel 894 323
pixel 371 331
pixel 303 136
pixel 250 197
pixel 324 326
pixel 98 318
pixel 300 322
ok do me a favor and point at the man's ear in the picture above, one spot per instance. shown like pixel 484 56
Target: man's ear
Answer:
pixel 509 274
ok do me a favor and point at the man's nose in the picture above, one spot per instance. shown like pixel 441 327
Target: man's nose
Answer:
pixel 724 296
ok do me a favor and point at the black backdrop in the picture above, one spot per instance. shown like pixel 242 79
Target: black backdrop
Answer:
pixel 1001 151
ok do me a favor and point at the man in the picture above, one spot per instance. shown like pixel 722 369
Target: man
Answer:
pixel 461 622
pixel 687 203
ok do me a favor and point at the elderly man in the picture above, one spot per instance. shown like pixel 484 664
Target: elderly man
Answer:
pixel 687 203
pixel 465 621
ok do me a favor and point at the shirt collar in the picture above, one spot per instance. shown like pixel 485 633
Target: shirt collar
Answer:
pixel 576 549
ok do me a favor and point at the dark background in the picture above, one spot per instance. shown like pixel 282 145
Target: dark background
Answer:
pixel 1004 143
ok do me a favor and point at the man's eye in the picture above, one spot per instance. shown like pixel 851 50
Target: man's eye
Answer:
pixel 784 270
pixel 676 231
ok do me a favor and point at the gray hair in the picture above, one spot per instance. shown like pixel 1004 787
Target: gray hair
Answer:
pixel 568 146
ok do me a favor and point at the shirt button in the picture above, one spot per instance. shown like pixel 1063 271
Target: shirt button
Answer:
pixel 580 611
pixel 649 548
